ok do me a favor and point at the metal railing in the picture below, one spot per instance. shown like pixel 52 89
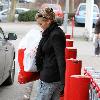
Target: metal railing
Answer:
pixel 94 91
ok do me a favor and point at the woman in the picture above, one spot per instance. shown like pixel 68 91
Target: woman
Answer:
pixel 50 57
pixel 97 38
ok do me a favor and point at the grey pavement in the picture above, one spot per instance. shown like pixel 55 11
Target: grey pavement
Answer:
pixel 85 52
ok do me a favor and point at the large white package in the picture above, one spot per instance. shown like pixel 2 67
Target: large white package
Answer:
pixel 30 43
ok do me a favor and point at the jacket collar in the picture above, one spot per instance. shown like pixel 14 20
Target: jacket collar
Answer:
pixel 49 29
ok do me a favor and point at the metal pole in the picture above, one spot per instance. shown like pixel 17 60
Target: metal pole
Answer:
pixel 8 10
pixel 89 20
pixel 57 1
pixel 9 4
pixel 66 15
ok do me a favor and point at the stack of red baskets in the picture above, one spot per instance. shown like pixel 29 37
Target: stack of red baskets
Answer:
pixel 73 67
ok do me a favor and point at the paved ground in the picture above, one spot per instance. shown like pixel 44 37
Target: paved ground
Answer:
pixel 85 53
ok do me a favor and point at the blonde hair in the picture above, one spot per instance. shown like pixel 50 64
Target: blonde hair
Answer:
pixel 46 14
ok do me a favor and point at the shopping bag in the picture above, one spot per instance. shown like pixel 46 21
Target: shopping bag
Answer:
pixel 29 60
pixel 26 47
pixel 25 77
pixel 20 58
pixel 31 45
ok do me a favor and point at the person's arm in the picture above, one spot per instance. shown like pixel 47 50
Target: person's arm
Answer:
pixel 38 57
pixel 58 42
pixel 97 27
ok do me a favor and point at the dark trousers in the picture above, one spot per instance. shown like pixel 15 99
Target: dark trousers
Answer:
pixel 97 50
pixel 97 46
